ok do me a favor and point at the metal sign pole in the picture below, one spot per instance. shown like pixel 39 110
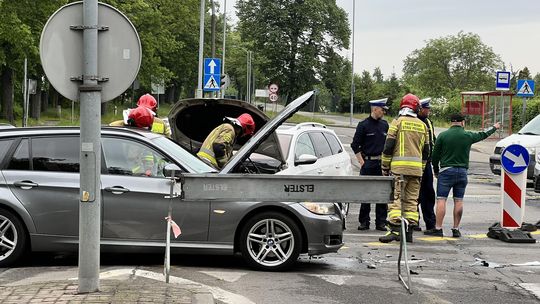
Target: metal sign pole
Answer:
pixel 352 68
pixel 523 111
pixel 90 155
pixel 199 93
pixel 25 94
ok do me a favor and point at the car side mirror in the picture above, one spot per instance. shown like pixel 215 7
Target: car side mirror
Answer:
pixel 171 170
pixel 305 159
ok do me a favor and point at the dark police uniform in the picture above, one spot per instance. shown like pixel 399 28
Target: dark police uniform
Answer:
pixel 369 139
pixel 426 199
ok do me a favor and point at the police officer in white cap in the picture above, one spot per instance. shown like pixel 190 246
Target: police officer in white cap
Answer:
pixel 368 144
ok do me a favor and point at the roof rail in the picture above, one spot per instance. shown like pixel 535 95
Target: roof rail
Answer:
pixel 309 124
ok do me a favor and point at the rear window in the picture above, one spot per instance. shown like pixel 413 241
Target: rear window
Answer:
pixel 20 159
pixel 321 144
pixel 4 147
pixel 55 154
pixel 334 143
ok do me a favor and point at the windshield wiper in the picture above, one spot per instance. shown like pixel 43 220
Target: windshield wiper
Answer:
pixel 529 133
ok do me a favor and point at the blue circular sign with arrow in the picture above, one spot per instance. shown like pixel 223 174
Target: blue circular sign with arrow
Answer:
pixel 515 159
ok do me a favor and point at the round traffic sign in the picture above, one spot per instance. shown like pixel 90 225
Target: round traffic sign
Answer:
pixel 515 159
pixel 61 51
pixel 273 97
pixel 273 88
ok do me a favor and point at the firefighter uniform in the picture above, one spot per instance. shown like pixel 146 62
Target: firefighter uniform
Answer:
pixel 369 141
pixel 161 127
pixel 405 154
pixel 217 148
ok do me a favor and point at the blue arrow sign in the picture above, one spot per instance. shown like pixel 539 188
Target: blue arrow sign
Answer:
pixel 212 66
pixel 503 81
pixel 515 159
pixel 525 88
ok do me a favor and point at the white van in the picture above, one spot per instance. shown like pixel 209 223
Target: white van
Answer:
pixel 528 137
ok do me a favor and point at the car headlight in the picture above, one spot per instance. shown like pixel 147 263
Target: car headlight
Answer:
pixel 532 151
pixel 320 208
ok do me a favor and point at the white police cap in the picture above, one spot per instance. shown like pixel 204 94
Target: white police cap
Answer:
pixel 424 103
pixel 379 103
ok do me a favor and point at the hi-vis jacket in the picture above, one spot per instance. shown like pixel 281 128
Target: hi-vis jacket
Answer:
pixel 160 127
pixel 406 149
pixel 217 148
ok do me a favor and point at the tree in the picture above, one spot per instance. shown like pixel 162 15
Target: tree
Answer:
pixel 524 74
pixel 452 63
pixel 336 77
pixel 295 37
pixel 377 75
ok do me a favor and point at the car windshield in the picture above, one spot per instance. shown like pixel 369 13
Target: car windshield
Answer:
pixel 285 143
pixel 189 160
pixel 532 127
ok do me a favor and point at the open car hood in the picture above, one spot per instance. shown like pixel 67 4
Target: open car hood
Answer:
pixel 193 119
pixel 257 143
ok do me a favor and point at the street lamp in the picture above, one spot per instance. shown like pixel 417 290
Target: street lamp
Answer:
pixel 352 66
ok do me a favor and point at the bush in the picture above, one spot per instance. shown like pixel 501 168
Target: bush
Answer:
pixel 533 109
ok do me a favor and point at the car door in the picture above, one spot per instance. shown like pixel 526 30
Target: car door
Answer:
pixel 304 145
pixel 341 161
pixel 134 191
pixel 43 173
pixel 325 161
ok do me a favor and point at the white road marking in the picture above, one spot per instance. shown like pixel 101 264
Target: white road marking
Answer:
pixel 334 279
pixel 225 276
pixel 533 288
pixel 436 283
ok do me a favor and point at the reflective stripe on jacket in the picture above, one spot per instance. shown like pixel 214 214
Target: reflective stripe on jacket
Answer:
pixel 407 146
pixel 223 135
pixel 160 127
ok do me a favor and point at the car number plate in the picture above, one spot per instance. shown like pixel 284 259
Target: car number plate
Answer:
pixel 496 167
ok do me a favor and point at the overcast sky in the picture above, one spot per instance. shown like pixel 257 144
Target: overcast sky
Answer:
pixel 386 31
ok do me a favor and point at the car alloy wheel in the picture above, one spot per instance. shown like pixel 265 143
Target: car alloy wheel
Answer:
pixel 12 238
pixel 271 241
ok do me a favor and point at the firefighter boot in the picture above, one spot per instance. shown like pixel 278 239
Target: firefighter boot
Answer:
pixel 391 235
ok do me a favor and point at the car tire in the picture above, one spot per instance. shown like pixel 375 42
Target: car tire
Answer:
pixel 270 241
pixel 12 238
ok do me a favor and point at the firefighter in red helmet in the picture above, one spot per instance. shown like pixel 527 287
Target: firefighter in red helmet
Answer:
pixel 217 148
pixel 159 126
pixel 405 153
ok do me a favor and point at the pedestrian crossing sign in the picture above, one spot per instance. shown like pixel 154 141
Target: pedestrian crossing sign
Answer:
pixel 525 88
pixel 211 82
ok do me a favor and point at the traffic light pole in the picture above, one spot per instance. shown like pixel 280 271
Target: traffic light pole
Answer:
pixel 90 155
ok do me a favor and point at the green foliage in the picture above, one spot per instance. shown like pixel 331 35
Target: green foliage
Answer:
pixel 449 64
pixel 295 37
pixel 532 110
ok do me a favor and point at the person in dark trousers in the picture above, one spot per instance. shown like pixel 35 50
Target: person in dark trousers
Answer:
pixel 368 144
pixel 426 199
pixel 451 153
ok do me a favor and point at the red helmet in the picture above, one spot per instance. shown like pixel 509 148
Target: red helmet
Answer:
pixel 247 123
pixel 147 101
pixel 410 101
pixel 140 117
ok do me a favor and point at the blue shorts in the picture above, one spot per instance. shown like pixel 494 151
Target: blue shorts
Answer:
pixel 452 178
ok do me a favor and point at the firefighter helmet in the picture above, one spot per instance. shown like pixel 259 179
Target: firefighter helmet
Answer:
pixel 410 101
pixel 147 101
pixel 140 117
pixel 247 123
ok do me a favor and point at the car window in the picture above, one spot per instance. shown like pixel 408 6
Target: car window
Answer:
pixel 125 157
pixel 20 159
pixel 304 146
pixel 188 160
pixel 55 154
pixel 4 147
pixel 334 143
pixel 321 144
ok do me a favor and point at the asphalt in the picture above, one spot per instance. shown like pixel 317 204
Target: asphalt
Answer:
pixel 116 286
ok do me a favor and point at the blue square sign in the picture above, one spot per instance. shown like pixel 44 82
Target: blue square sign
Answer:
pixel 525 88
pixel 212 66
pixel 503 81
